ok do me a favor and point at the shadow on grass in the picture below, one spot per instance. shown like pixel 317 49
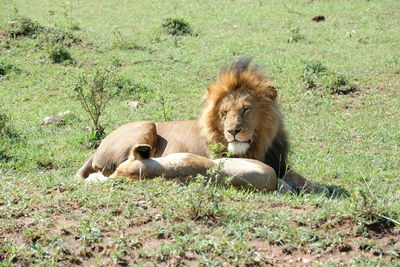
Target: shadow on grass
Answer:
pixel 335 191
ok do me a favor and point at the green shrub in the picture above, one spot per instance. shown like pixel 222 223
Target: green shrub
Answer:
pixel 317 78
pixel 59 54
pixel 6 68
pixel 177 26
pixel 341 85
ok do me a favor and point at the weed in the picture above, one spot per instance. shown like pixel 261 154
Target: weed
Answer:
pixel 341 85
pixel 205 198
pixel 92 91
pixel 316 77
pixel 6 68
pixel 166 109
pixel 311 72
pixel 58 54
pixel 88 234
pixel 295 35
pixel 9 137
pixel 176 26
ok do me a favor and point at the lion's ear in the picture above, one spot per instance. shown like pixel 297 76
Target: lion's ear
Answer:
pixel 140 152
pixel 272 93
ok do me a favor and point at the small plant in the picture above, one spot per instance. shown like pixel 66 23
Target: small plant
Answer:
pixel 176 26
pixel 92 91
pixel 312 71
pixel 6 68
pixel 166 109
pixel 341 85
pixel 8 137
pixel 219 151
pixel 316 77
pixel 59 54
pixel 89 234
pixel 295 35
pixel 204 195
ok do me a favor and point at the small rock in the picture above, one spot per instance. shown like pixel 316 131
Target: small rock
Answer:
pixel 87 129
pixel 318 18
pixel 65 113
pixel 50 120
pixel 133 105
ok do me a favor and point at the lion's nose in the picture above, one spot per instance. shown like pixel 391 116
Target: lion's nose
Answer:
pixel 234 132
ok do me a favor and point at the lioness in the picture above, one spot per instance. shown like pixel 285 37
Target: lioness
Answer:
pixel 239 110
pixel 238 172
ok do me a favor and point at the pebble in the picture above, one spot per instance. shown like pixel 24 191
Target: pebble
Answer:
pixel 50 120
pixel 133 105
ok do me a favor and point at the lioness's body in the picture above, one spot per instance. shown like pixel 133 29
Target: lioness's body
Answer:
pixel 241 173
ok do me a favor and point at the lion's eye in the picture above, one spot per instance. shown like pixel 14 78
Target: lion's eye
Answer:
pixel 223 113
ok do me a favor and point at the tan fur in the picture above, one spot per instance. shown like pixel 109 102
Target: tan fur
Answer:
pixel 242 173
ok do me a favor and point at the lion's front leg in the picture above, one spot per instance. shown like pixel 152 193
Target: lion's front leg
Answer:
pixel 298 182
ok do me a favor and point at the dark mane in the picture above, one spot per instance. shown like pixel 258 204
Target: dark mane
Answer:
pixel 277 153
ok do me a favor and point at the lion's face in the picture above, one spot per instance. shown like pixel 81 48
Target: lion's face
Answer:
pixel 238 120
pixel 240 111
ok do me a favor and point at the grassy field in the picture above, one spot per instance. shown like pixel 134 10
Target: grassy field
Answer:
pixel 339 89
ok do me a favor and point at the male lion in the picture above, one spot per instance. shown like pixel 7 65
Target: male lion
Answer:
pixel 238 172
pixel 239 110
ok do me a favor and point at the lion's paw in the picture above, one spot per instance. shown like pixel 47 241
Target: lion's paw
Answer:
pixel 96 177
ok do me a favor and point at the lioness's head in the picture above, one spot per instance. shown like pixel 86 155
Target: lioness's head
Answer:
pixel 240 110
pixel 134 167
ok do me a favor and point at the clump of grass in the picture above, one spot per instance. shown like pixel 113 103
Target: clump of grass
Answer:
pixel 341 85
pixel 204 197
pixel 6 68
pixel 317 78
pixel 311 72
pixel 177 27
pixel 88 234
pixel 22 26
pixel 93 92
pixel 125 87
pixel 295 35
pixel 8 136
pixel 50 35
pixel 58 54
pixel 124 43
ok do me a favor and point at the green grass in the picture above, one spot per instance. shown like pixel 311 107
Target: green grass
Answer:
pixel 351 141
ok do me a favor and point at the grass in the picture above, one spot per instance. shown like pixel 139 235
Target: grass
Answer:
pixel 349 141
